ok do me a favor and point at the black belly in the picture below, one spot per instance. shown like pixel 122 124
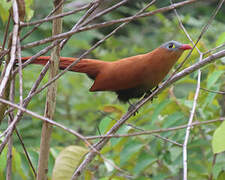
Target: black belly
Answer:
pixel 126 94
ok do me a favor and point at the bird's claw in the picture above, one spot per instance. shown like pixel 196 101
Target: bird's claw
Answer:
pixel 148 93
pixel 131 108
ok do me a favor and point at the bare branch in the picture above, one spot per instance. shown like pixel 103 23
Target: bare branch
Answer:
pixel 190 122
pixel 37 25
pixel 50 100
pixel 13 48
pixel 6 132
pixel 50 18
pixel 81 20
pixel 25 151
pixel 212 91
pixel 6 32
pixel 155 131
pixel 125 117
pixel 67 34
pixel 183 28
pixel 213 164
pixel 214 49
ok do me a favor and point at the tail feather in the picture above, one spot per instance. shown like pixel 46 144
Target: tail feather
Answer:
pixel 89 66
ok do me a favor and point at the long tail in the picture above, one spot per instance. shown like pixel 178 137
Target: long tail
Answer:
pixel 91 67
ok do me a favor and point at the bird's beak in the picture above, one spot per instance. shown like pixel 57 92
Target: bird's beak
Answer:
pixel 185 47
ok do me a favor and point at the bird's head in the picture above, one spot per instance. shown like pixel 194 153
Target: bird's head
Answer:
pixel 175 46
pixel 174 49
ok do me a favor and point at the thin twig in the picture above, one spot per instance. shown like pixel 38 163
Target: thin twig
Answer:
pixel 94 17
pixel 6 31
pixel 212 91
pixel 213 49
pixel 78 135
pixel 183 28
pixel 128 19
pixel 190 122
pixel 25 151
pixel 34 87
pixel 140 129
pixel 13 48
pixel 81 20
pixel 20 72
pixel 37 25
pixel 213 164
pixel 10 142
pixel 156 131
pixel 50 18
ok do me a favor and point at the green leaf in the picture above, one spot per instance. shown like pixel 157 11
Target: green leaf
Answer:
pixel 218 141
pixel 173 119
pixel 217 169
pixel 104 124
pixel 3 159
pixel 122 130
pixel 130 148
pixel 220 39
pixel 29 11
pixel 161 106
pixel 221 176
pixel 143 162
pixel 67 161
pixel 4 10
pixel 212 78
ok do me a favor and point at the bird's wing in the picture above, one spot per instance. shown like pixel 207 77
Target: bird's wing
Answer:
pixel 122 74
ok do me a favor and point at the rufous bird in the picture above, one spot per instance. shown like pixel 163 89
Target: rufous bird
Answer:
pixel 130 77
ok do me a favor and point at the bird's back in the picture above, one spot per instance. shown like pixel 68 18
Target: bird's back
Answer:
pixel 122 74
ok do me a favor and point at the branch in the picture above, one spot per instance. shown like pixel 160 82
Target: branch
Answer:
pixel 125 117
pixel 190 122
pixel 13 48
pixel 50 18
pixel 155 131
pixel 50 100
pixel 212 91
pixel 7 134
pixel 37 25
pixel 68 34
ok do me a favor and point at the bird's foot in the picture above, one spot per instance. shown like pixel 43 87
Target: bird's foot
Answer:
pixel 132 107
pixel 148 93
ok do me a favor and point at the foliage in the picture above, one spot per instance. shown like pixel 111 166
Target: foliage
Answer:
pixel 144 157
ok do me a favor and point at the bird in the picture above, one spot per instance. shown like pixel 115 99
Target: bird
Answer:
pixel 131 77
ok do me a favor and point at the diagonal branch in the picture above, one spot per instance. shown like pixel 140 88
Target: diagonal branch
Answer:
pixel 13 48
pixel 89 157
pixel 104 24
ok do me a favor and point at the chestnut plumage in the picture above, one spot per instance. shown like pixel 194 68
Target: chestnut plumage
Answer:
pixel 130 77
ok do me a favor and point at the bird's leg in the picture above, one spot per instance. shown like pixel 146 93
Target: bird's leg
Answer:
pixel 131 107
pixel 149 92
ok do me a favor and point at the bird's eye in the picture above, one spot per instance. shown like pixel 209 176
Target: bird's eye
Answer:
pixel 171 45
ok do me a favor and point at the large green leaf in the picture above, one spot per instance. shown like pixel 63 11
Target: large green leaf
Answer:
pixel 67 161
pixel 212 78
pixel 4 9
pixel 143 162
pixel 218 141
